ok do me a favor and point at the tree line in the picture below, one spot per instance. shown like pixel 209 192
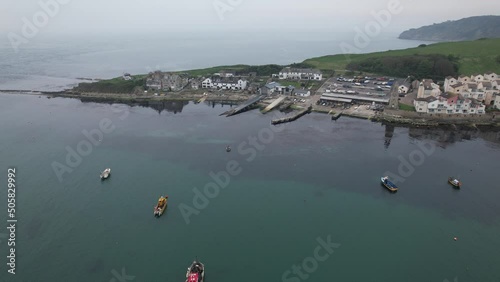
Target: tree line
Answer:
pixel 433 66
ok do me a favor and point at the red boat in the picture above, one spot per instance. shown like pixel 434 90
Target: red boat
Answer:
pixel 195 272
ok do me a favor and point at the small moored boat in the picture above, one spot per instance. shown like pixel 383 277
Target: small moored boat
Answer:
pixel 106 173
pixel 455 182
pixel 388 184
pixel 195 272
pixel 228 148
pixel 161 206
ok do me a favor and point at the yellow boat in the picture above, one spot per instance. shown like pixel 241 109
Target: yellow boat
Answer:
pixel 161 206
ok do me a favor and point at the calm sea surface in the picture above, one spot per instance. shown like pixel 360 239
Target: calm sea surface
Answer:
pixel 54 63
pixel 315 178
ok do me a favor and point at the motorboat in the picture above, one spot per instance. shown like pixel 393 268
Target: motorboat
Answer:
pixel 195 272
pixel 388 184
pixel 106 173
pixel 454 182
pixel 160 206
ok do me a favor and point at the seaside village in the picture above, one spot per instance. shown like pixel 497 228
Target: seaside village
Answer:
pixel 462 95
pixel 465 95
pixel 231 80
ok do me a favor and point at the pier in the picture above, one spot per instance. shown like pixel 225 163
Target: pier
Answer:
pixel 243 107
pixel 292 118
pixel 336 116
pixel 285 106
pixel 274 104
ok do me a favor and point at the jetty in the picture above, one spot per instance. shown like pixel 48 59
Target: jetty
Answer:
pixel 274 104
pixel 336 116
pixel 243 107
pixel 293 117
pixel 285 106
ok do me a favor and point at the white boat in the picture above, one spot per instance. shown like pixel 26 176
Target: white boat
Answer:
pixel 105 174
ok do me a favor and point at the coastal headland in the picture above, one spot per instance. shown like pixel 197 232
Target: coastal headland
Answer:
pixel 347 85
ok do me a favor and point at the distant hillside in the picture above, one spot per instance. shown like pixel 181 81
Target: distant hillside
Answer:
pixel 465 29
pixel 470 57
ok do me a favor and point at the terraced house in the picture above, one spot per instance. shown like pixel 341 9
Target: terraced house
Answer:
pixel 300 74
pixel 449 103
pixel 224 83
pixel 483 88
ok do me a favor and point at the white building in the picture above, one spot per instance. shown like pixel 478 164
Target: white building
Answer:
pixel 422 104
pixel 497 101
pixel 224 74
pixel 224 83
pixel 479 87
pixel 403 88
pixel 300 74
pixel 303 92
pixel 448 104
pixel 491 76
pixel 127 76
pixel 477 77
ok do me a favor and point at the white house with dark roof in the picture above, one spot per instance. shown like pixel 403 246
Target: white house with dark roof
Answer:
pixel 300 74
pixel 457 88
pixel 224 83
pixel 449 81
pixel 303 92
pixel 490 76
pixel 464 79
pixel 404 88
pixel 422 104
pixel 477 77
pixel 474 87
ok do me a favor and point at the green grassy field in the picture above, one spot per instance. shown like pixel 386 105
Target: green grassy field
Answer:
pixel 477 56
pixel 210 71
pixel 298 84
pixel 115 85
pixel 405 107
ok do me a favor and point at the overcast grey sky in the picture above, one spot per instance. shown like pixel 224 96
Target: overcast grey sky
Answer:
pixel 94 16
